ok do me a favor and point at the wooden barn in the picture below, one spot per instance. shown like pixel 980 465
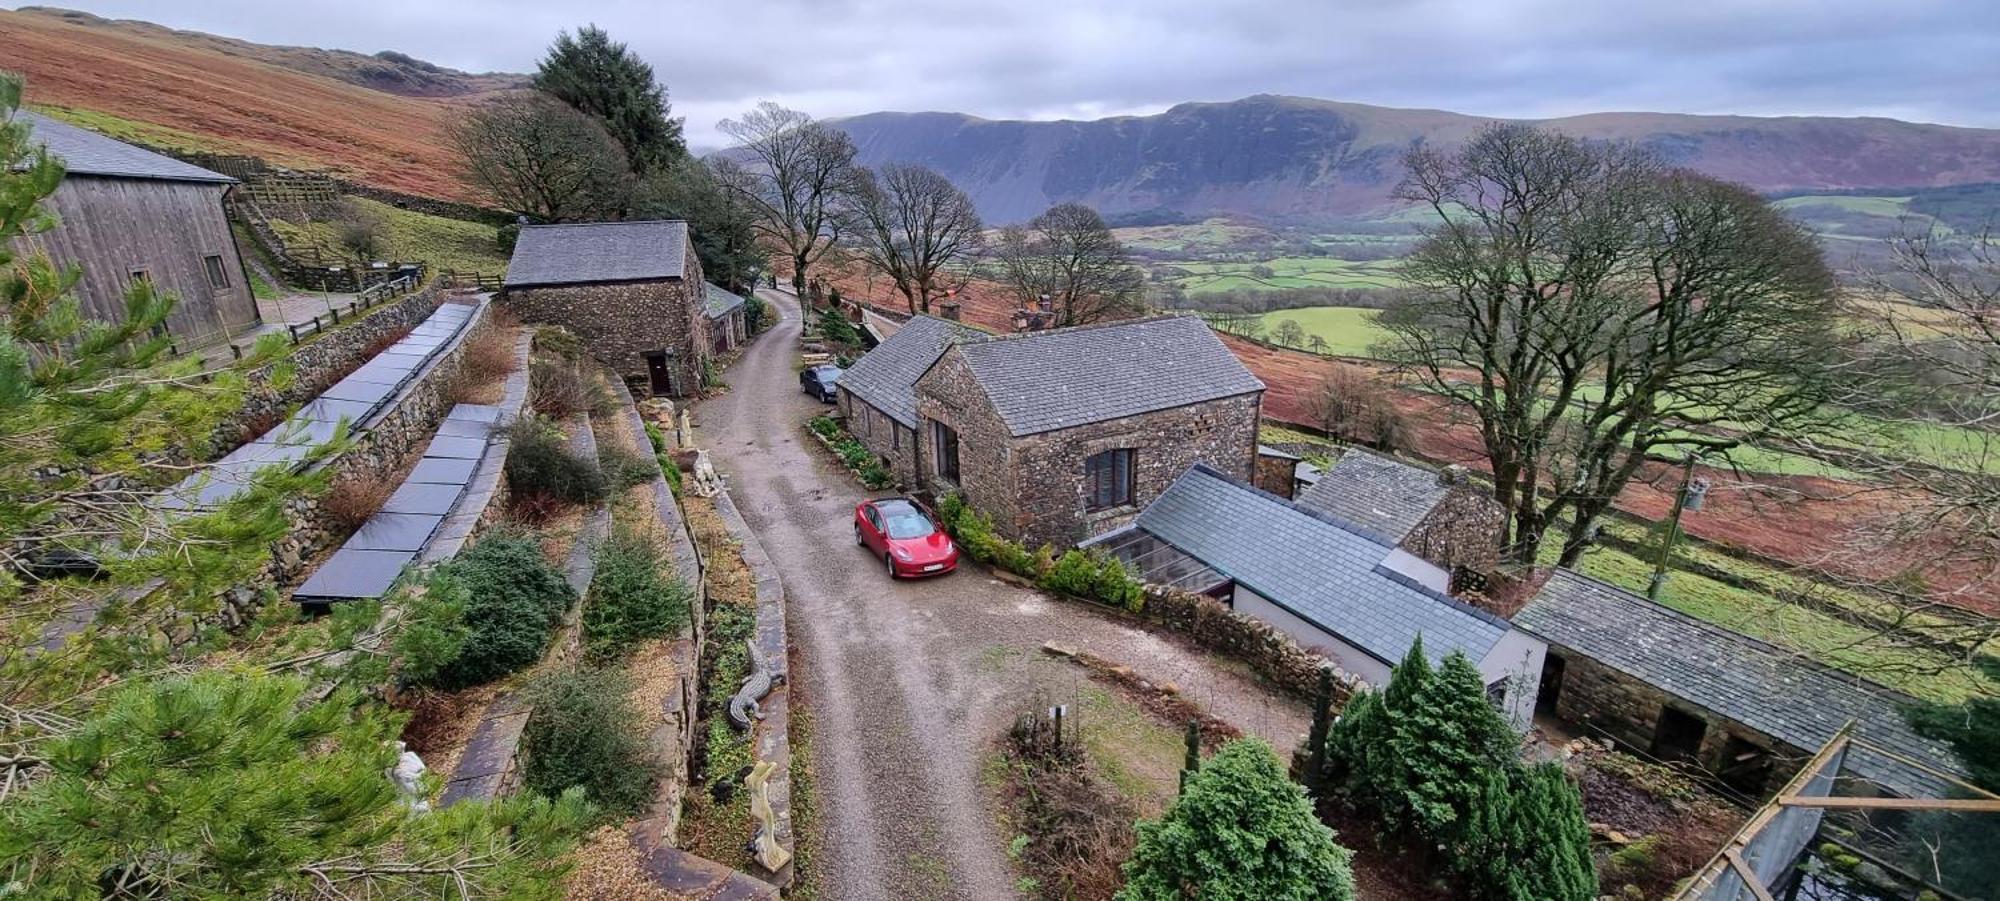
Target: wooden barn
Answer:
pixel 129 213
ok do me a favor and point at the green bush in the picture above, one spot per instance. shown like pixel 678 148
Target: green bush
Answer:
pixel 973 531
pixel 633 596
pixel 433 631
pixel 671 471
pixel 836 328
pixel 539 461
pixel 513 601
pixel 585 733
pixel 557 389
pixel 657 437
pixel 1528 839
pixel 1094 575
pixel 755 310
pixel 505 236
pixel 622 468
pixel 1240 831
pixel 825 426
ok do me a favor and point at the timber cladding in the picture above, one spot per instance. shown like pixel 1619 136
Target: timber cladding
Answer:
pixel 175 232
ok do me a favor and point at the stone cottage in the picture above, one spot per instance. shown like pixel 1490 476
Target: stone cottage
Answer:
pixel 1440 516
pixel 1063 434
pixel 726 325
pixel 878 394
pixel 1662 682
pixel 632 291
pixel 1338 587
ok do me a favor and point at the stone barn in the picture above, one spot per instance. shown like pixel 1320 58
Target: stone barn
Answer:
pixel 724 311
pixel 1438 515
pixel 632 291
pixel 1067 433
pixel 127 213
pixel 878 394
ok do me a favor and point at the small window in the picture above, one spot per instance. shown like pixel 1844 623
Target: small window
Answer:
pixel 1107 479
pixel 142 275
pixel 218 277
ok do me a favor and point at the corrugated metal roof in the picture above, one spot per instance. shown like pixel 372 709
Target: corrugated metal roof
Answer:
pixel 1327 572
pixel 583 253
pixel 1044 381
pixel 886 377
pixel 1382 494
pixel 1739 678
pixel 85 152
pixel 719 301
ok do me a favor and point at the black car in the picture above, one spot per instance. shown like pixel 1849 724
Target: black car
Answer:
pixel 818 381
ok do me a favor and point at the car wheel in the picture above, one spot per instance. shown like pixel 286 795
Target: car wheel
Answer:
pixel 857 536
pixel 889 562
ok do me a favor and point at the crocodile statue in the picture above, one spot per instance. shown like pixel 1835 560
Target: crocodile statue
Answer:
pixel 743 705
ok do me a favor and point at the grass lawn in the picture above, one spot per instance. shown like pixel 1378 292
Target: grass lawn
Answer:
pixel 1349 331
pixel 409 235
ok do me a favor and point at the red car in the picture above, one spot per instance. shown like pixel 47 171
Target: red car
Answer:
pixel 907 538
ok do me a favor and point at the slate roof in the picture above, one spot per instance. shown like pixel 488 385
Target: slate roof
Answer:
pixel 1385 495
pixel 1044 381
pixel 1327 572
pixel 886 377
pixel 1734 676
pixel 719 302
pixel 85 152
pixel 592 252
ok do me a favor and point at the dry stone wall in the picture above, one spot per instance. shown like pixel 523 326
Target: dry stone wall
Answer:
pixel 1272 653
pixel 621 323
pixel 1628 711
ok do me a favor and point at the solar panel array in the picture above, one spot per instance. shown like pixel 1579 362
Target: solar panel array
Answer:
pixel 370 561
pixel 354 398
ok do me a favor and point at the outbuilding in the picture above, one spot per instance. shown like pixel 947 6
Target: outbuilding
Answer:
pixel 633 291
pixel 125 214
pixel 724 310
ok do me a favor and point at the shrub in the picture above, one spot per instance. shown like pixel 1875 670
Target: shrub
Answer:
pixel 560 391
pixel 836 328
pixel 622 468
pixel 1350 404
pixel 633 596
pixel 558 342
pixel 1528 840
pixel 657 437
pixel 433 631
pixel 353 501
pixel 672 471
pixel 585 733
pixel 1239 830
pixel 539 462
pixel 505 237
pixel 755 310
pixel 973 531
pixel 1091 574
pixel 1076 830
pixel 825 426
pixel 486 356
pixel 514 600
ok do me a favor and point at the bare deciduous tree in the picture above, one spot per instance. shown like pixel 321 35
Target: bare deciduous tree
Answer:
pixel 1351 405
pixel 913 225
pixel 800 178
pixel 1594 311
pixel 1289 333
pixel 1069 256
pixel 539 158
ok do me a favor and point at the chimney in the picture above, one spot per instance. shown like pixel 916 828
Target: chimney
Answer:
pixel 1453 476
pixel 949 310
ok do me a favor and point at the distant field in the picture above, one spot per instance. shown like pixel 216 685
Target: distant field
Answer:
pixel 1285 272
pixel 1348 331
pixel 444 243
pixel 1211 234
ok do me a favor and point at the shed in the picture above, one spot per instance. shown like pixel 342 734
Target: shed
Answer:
pixel 632 291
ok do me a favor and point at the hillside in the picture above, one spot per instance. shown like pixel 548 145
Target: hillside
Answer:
pixel 184 90
pixel 1293 159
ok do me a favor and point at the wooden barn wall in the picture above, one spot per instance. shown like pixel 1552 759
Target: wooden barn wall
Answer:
pixel 112 226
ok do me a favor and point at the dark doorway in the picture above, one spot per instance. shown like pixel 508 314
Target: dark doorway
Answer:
pixel 660 376
pixel 1549 693
pixel 1678 735
pixel 944 441
pixel 1745 765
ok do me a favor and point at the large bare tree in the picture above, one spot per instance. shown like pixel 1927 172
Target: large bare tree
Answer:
pixel 915 226
pixel 1593 310
pixel 799 176
pixel 537 157
pixel 1069 255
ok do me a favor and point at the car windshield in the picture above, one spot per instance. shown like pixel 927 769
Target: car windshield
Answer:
pixel 906 522
pixel 829 375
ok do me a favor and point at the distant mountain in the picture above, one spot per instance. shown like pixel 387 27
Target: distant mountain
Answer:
pixel 387 71
pixel 1296 159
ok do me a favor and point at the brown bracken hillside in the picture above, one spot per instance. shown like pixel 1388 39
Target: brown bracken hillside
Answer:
pixel 197 90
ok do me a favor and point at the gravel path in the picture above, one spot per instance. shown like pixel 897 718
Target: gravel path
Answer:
pixel 909 683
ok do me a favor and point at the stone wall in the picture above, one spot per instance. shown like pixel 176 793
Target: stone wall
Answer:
pixel 885 437
pixel 1049 468
pixel 949 394
pixel 1462 532
pixel 382 445
pixel 1628 711
pixel 1273 654
pixel 317 364
pixel 620 323
pixel 1276 473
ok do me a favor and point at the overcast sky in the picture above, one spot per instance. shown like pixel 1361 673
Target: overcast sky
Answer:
pixel 1924 60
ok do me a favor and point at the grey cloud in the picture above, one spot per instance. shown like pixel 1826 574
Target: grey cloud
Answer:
pixel 1932 60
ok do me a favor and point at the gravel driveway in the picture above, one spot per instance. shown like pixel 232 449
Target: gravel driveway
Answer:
pixel 909 683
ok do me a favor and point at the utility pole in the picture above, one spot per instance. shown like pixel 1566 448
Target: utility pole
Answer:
pixel 1689 497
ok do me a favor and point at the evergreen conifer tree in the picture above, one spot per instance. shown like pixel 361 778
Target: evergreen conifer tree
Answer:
pixel 1240 831
pixel 600 78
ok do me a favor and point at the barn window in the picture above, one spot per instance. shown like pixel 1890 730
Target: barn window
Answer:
pixel 1107 479
pixel 218 277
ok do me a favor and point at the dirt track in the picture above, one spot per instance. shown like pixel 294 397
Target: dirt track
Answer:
pixel 910 682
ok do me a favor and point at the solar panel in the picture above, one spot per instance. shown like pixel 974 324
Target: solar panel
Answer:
pixel 329 410
pixel 395 532
pixel 423 340
pixel 297 431
pixel 456 448
pixel 354 574
pixel 359 390
pixel 392 371
pixel 419 498
pixel 441 471
pixel 268 452
pixel 460 428
pixel 415 353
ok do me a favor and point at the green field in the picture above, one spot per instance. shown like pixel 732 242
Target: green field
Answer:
pixel 408 235
pixel 1348 331
pixel 1285 272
